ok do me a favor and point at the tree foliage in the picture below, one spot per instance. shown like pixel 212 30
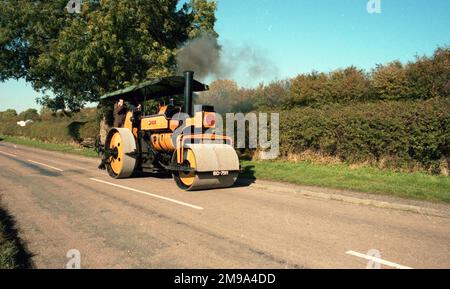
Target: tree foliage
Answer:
pixel 309 89
pixel 7 115
pixel 430 76
pixel 30 113
pixel 349 84
pixel 390 81
pixel 111 43
pixel 203 18
pixel 222 93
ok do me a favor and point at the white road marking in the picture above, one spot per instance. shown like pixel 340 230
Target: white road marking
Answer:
pixel 38 163
pixel 73 166
pixel 8 154
pixel 149 194
pixel 378 260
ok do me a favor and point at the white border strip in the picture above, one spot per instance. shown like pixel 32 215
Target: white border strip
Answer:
pixel 377 260
pixel 8 154
pixel 38 163
pixel 149 194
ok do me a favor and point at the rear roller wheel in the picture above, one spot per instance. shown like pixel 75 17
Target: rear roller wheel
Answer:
pixel 120 142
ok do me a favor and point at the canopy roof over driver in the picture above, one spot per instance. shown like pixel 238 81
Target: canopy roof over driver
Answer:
pixel 154 88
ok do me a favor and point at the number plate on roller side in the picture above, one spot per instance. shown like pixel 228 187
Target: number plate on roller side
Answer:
pixel 220 173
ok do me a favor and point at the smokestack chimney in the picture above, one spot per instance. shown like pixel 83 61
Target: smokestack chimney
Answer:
pixel 189 79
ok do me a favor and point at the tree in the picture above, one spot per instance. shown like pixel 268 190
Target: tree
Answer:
pixel 390 81
pixel 29 114
pixel 79 57
pixel 221 93
pixel 203 18
pixel 441 72
pixel 46 114
pixel 349 84
pixel 430 76
pixel 9 114
pixel 309 89
pixel 266 97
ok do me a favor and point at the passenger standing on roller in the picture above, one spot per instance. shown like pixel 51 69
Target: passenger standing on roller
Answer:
pixel 120 112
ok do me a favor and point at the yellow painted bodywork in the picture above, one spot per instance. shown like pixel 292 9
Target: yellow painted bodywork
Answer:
pixel 163 141
pixel 117 163
pixel 188 177
pixel 155 122
pixel 196 121
pixel 128 123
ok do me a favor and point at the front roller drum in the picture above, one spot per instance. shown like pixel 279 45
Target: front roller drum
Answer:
pixel 121 143
pixel 214 166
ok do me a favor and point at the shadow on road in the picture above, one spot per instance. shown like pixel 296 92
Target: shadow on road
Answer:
pixel 161 175
pixel 22 257
pixel 246 177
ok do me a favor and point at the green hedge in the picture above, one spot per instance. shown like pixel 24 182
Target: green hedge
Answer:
pixel 62 130
pixel 396 134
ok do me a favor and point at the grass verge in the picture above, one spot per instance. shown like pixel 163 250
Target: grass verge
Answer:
pixel 371 180
pixel 8 250
pixel 65 148
pixel 12 252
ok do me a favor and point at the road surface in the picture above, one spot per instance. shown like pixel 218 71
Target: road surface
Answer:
pixel 62 202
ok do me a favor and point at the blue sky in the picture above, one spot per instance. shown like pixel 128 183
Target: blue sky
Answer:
pixel 304 35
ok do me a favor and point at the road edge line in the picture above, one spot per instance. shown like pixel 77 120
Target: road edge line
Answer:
pixel 8 154
pixel 45 165
pixel 149 194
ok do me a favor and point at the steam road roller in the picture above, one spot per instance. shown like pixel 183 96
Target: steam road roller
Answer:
pixel 170 138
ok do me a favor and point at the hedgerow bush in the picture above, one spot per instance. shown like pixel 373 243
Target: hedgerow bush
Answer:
pixel 390 133
pixel 60 129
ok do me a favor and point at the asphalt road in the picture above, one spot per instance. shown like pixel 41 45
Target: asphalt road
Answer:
pixel 62 202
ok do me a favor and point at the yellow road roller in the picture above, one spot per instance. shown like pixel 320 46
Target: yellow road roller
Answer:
pixel 174 139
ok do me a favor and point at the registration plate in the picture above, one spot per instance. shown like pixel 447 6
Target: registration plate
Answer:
pixel 220 173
